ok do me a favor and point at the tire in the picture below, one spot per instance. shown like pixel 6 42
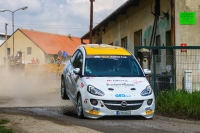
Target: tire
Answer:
pixel 79 108
pixel 63 91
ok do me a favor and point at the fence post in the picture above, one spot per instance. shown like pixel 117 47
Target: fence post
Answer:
pixel 154 75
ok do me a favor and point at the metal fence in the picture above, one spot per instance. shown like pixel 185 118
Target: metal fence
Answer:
pixel 173 67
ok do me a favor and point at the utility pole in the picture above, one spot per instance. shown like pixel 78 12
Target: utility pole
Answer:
pixel 6 47
pixel 91 19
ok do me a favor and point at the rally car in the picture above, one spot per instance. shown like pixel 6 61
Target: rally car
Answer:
pixel 104 80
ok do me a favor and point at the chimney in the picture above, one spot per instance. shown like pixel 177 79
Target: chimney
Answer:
pixel 69 36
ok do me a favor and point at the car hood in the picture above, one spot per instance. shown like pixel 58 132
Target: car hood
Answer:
pixel 118 86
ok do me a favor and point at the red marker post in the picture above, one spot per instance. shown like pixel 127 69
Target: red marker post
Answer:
pixel 183 45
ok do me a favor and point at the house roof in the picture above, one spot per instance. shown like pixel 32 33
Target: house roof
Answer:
pixel 52 43
pixel 113 16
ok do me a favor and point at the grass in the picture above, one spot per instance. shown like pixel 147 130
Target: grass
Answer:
pixel 4 129
pixel 179 103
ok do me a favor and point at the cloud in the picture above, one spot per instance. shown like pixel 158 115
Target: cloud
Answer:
pixel 56 16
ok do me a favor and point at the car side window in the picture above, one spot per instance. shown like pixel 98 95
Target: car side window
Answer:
pixel 78 60
pixel 135 68
pixel 74 56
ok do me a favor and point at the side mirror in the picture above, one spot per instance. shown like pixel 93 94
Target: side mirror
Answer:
pixel 147 71
pixel 77 71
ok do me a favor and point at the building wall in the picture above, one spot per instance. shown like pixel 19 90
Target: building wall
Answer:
pixel 183 32
pixel 136 18
pixel 188 34
pixel 139 18
pixel 21 42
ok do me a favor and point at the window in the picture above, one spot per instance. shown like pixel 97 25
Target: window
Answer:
pixel 2 37
pixel 8 51
pixel 138 38
pixel 124 42
pixel 29 51
pixel 78 61
pixel 99 40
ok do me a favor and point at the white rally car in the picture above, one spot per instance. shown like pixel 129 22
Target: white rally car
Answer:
pixel 103 80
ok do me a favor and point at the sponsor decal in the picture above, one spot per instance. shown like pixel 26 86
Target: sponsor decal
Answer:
pixel 120 85
pixel 90 77
pixel 114 56
pixel 120 80
pixel 122 95
pixel 97 56
pixel 82 85
pixel 86 101
pixel 117 80
pixel 109 56
pixel 137 81
pixel 105 56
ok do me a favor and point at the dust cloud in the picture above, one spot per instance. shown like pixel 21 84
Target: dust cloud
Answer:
pixel 19 89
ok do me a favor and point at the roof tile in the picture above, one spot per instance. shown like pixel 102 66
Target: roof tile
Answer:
pixel 52 43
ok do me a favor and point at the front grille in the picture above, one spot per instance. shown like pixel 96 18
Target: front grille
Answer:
pixel 116 105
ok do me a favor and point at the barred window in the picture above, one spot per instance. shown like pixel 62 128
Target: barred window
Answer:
pixel 29 50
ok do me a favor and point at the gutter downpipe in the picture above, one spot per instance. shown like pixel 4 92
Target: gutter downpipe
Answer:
pixel 173 40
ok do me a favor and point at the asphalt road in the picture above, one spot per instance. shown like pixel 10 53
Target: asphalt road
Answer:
pixel 40 98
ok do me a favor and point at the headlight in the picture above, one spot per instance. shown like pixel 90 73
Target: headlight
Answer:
pixel 91 89
pixel 146 92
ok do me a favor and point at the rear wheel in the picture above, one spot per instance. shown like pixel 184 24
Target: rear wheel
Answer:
pixel 63 91
pixel 79 108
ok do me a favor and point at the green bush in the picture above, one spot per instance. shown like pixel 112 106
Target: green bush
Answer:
pixel 3 121
pixel 3 129
pixel 179 103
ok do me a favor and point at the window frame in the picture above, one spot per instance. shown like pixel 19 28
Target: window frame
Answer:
pixel 124 42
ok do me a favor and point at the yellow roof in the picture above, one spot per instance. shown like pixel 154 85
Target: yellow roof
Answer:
pixel 103 49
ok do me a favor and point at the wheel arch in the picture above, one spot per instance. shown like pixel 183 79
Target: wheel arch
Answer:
pixel 78 94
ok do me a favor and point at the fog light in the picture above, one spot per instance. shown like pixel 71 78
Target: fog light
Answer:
pixel 149 102
pixel 93 101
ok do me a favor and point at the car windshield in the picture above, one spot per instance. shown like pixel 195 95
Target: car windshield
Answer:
pixel 120 66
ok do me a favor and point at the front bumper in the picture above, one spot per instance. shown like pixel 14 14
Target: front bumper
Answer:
pixel 114 108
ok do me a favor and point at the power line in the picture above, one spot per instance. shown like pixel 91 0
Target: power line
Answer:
pixel 102 4
pixel 49 26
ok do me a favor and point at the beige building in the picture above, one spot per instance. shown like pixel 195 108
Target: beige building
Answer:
pixel 38 45
pixel 157 23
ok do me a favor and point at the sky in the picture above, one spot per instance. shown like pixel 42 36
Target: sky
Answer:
pixel 55 16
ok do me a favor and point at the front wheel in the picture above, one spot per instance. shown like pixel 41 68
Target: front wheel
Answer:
pixel 79 108
pixel 63 91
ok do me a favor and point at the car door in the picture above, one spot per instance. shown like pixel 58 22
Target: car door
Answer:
pixel 76 63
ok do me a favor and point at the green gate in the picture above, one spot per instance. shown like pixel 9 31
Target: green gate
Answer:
pixel 168 65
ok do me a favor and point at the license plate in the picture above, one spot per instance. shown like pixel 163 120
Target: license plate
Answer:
pixel 123 112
